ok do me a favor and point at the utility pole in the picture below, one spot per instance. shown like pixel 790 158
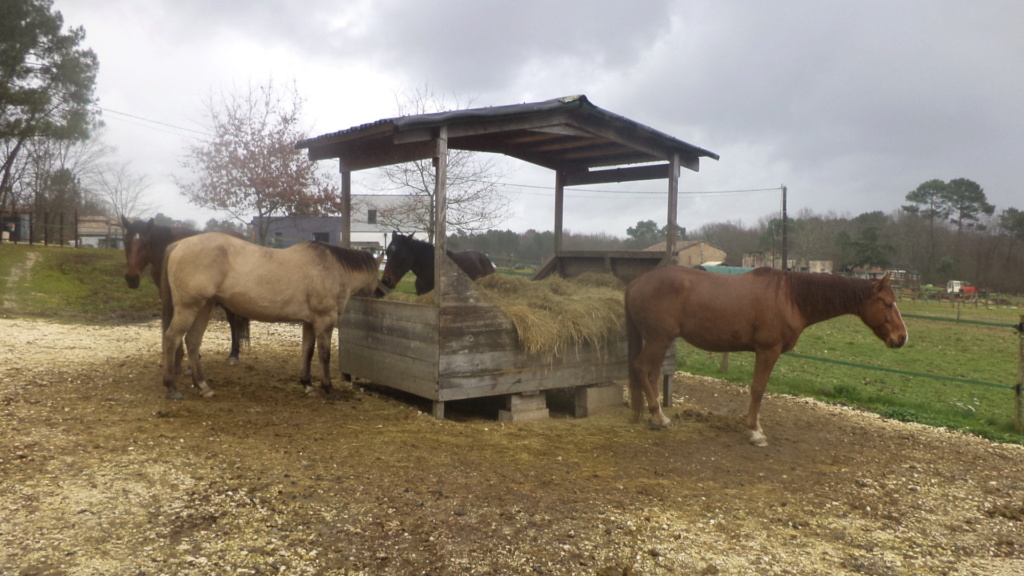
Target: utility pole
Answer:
pixel 785 232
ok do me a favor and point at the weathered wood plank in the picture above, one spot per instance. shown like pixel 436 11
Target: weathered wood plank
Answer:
pixel 491 361
pixel 372 342
pixel 526 380
pixel 410 375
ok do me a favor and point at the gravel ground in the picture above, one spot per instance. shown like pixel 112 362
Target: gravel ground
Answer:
pixel 99 474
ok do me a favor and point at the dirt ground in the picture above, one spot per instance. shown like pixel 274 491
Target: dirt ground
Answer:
pixel 100 474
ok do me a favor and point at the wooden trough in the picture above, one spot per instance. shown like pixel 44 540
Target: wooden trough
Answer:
pixel 467 347
pixel 461 346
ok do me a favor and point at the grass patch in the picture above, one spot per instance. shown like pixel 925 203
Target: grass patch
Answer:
pixel 984 359
pixel 74 285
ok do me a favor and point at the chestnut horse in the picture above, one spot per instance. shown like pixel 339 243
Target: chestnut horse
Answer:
pixel 762 311
pixel 145 244
pixel 308 283
pixel 406 253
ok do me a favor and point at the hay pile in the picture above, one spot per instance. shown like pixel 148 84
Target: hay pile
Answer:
pixel 555 314
pixel 551 315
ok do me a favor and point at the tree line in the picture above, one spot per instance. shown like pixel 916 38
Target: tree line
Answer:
pixel 947 230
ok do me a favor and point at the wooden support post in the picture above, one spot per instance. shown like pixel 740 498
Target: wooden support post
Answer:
pixel 559 203
pixel 440 210
pixel 673 206
pixel 346 208
pixel 437 409
pixel 723 366
pixel 666 387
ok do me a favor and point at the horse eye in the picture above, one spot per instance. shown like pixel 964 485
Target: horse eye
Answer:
pixel 890 304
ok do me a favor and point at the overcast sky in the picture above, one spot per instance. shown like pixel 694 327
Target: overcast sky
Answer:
pixel 850 104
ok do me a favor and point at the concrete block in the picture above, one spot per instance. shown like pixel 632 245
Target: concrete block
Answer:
pixel 593 399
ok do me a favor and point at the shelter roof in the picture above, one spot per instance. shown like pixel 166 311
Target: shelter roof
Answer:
pixel 569 135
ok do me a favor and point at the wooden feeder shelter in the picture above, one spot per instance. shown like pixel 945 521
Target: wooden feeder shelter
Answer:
pixel 461 346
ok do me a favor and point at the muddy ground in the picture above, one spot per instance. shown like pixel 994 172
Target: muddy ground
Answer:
pixel 99 474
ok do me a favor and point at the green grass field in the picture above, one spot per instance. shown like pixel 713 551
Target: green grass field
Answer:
pixel 87 286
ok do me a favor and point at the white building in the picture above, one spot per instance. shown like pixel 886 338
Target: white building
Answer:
pixel 366 232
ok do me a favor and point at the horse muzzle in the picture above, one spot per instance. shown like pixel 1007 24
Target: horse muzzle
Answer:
pixel 132 280
pixel 896 341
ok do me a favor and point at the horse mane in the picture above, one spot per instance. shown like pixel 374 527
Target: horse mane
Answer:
pixel 160 237
pixel 417 244
pixel 823 296
pixel 354 260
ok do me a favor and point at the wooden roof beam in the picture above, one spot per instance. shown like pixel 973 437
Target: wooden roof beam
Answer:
pixel 630 174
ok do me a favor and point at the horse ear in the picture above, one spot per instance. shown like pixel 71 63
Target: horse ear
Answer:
pixel 124 222
pixel 883 283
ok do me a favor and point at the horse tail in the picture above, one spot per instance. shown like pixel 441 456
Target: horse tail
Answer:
pixel 634 342
pixel 239 327
pixel 166 297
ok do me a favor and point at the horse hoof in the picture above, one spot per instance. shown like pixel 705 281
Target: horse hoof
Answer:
pixel 309 390
pixel 758 439
pixel 174 395
pixel 208 393
pixel 232 361
pixel 333 396
pixel 660 425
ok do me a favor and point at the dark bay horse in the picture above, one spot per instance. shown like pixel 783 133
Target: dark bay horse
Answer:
pixel 144 245
pixel 406 253
pixel 309 283
pixel 762 311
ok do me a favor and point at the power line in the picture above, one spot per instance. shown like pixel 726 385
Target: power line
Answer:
pixel 156 122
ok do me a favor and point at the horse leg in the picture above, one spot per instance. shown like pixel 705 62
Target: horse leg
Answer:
pixel 648 370
pixel 323 344
pixel 763 365
pixel 308 341
pixel 194 341
pixel 172 352
pixel 234 323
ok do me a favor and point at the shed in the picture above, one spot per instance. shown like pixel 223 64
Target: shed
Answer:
pixel 462 347
pixel 693 253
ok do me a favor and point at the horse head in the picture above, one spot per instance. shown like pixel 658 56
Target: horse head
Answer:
pixel 136 250
pixel 400 259
pixel 882 315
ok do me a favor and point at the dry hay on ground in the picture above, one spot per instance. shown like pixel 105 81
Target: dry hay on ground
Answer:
pixel 103 475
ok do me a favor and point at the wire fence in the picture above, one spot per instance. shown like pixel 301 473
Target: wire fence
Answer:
pixel 1017 388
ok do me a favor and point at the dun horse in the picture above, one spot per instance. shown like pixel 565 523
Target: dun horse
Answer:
pixel 406 253
pixel 145 244
pixel 763 311
pixel 308 283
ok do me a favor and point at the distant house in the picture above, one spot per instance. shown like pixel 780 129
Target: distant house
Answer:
pixel 774 260
pixel 693 253
pixel 868 272
pixel 366 233
pixel 99 232
pixel 905 281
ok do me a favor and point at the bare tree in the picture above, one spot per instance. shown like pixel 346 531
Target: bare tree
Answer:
pixel 473 197
pixel 34 169
pixel 249 166
pixel 122 190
